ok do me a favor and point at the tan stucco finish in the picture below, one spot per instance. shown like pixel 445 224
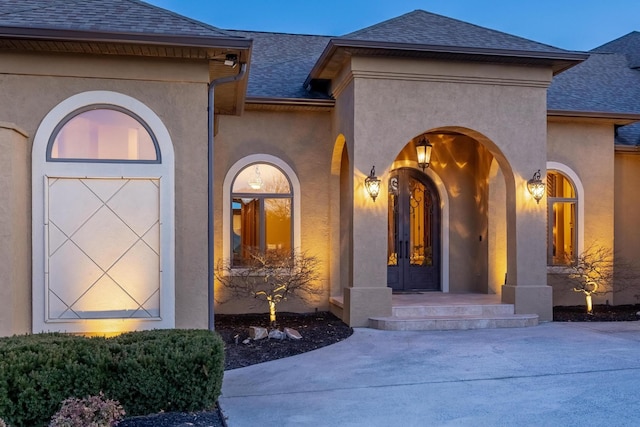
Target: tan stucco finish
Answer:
pixel 503 108
pixel 15 231
pixel 302 141
pixel 177 92
pixel 627 232
pixel 588 150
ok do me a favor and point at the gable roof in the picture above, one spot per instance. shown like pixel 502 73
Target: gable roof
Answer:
pixel 113 20
pixel 606 85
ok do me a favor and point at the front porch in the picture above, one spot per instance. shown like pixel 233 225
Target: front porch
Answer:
pixel 428 311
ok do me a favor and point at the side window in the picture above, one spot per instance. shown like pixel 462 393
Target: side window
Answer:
pixel 562 203
pixel 261 212
pixel 103 134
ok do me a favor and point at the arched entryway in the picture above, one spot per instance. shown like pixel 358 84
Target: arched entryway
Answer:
pixel 414 230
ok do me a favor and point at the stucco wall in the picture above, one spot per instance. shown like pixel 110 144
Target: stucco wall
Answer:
pixel 15 231
pixel 177 92
pixel 627 232
pixel 502 107
pixel 303 141
pixel 588 149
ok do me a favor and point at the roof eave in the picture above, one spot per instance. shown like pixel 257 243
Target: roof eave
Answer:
pixel 291 101
pixel 560 61
pixel 627 149
pixel 56 34
pixel 617 118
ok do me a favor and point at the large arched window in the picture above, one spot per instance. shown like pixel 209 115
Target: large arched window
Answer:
pixel 563 217
pixel 102 217
pixel 261 208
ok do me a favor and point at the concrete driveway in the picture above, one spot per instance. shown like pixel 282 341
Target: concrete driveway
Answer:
pixel 555 374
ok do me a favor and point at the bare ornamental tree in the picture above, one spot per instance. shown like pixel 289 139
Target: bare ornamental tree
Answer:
pixel 272 276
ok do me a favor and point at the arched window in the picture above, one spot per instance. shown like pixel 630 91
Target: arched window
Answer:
pixel 103 134
pixel 261 208
pixel 103 217
pixel 261 212
pixel 562 224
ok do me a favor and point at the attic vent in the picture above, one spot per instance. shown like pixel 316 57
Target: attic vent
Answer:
pixel 319 85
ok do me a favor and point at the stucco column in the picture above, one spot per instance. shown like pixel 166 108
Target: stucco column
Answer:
pixel 15 231
pixel 526 286
pixel 368 294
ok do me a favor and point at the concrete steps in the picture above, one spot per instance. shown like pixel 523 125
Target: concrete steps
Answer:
pixel 452 316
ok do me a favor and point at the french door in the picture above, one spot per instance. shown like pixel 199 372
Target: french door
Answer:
pixel 413 255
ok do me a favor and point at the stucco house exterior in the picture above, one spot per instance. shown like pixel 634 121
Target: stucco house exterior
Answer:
pixel 139 147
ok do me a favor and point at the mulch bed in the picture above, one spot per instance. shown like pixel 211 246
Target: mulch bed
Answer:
pixel 601 313
pixel 317 330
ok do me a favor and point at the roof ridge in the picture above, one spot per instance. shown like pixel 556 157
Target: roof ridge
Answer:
pixel 177 15
pixel 279 33
pixel 422 11
pixel 383 22
pixel 614 41
pixel 28 9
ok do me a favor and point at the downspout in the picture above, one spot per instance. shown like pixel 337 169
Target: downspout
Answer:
pixel 212 86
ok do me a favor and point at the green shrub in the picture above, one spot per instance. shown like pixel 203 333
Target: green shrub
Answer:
pixel 91 411
pixel 148 372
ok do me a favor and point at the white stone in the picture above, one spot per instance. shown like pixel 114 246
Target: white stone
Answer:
pixel 257 333
pixel 292 334
pixel 277 334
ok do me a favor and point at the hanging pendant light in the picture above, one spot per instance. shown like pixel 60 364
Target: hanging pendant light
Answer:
pixel 423 149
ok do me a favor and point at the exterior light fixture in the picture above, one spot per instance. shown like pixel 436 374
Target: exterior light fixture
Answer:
pixel 536 187
pixel 231 60
pixel 423 149
pixel 372 184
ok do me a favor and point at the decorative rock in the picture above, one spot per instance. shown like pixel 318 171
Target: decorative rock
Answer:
pixel 277 334
pixel 257 333
pixel 247 341
pixel 292 334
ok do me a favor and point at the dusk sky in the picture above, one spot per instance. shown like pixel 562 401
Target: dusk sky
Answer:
pixel 568 24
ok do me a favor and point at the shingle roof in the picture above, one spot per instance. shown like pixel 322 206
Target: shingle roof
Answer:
pixel 281 62
pixel 628 45
pixel 113 16
pixel 421 27
pixel 606 82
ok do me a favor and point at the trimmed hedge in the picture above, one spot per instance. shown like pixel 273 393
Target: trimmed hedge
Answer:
pixel 147 372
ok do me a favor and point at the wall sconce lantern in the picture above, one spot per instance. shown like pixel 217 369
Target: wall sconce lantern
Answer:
pixel 423 149
pixel 372 184
pixel 536 187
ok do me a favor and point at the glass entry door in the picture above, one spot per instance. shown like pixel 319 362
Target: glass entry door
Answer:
pixel 413 255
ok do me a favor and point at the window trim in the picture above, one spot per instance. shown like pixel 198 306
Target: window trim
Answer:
pixel 579 199
pixel 227 198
